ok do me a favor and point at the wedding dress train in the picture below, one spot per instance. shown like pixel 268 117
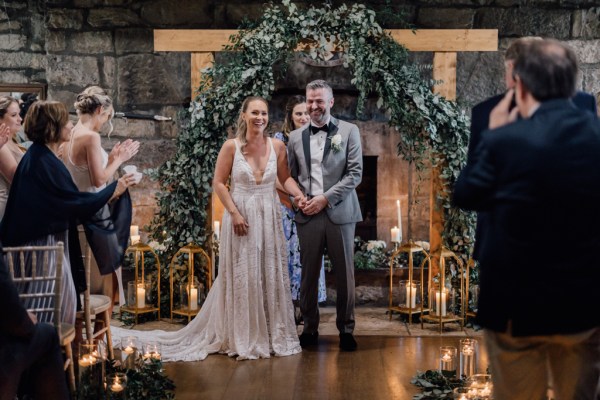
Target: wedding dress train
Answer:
pixel 248 312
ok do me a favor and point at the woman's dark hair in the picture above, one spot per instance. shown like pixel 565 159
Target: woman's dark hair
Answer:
pixel 288 121
pixel 45 120
pixel 27 99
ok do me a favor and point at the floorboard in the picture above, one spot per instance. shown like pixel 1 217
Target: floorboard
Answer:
pixel 381 368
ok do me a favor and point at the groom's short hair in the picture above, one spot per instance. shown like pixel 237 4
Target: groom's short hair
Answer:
pixel 319 84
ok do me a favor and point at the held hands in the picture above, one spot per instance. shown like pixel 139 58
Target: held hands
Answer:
pixel 314 205
pixel 122 152
pixel 502 114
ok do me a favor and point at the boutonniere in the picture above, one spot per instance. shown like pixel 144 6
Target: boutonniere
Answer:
pixel 336 142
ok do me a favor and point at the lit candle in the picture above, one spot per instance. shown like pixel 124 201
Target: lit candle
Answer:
pixel 141 296
pixel 399 218
pixel 396 235
pixel 440 303
pixel 87 360
pixel 411 296
pixel 134 230
pixel 448 360
pixel 467 357
pixel 135 239
pixel 193 298
pixel 116 387
pixel 217 229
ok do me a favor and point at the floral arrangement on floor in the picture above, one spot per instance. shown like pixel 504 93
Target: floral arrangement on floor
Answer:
pixel 434 385
pixel 148 381
pixel 369 254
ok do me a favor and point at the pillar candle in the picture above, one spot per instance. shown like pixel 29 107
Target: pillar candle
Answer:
pixel 399 218
pixel 141 296
pixel 411 296
pixel 395 233
pixel 440 303
pixel 135 239
pixel 134 230
pixel 194 298
pixel 217 229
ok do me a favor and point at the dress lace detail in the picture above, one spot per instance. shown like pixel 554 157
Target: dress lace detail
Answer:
pixel 248 312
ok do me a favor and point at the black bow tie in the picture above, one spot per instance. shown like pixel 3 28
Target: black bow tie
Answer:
pixel 314 129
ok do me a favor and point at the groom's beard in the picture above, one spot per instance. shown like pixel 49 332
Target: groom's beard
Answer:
pixel 318 116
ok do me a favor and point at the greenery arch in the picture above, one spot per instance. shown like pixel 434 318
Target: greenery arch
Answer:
pixel 433 129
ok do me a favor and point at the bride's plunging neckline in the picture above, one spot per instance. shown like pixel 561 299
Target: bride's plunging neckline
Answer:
pixel 264 170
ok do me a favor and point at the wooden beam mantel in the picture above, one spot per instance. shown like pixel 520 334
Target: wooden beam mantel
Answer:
pixel 445 40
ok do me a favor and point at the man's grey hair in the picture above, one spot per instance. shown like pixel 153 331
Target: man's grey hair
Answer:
pixel 320 84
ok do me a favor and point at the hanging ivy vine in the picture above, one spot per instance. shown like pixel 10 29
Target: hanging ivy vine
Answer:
pixel 433 131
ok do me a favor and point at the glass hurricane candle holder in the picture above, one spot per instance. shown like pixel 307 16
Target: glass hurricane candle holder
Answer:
pixel 468 357
pixel 116 385
pixel 410 294
pixel 91 369
pixel 129 352
pixel 448 361
pixel 152 350
pixel 480 386
pixel 461 393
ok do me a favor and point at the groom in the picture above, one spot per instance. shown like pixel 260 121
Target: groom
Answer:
pixel 325 158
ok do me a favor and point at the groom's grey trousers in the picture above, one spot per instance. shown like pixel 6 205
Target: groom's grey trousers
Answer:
pixel 314 235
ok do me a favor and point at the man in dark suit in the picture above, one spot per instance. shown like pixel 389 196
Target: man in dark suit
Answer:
pixel 480 117
pixel 538 178
pixel 325 158
pixel 30 354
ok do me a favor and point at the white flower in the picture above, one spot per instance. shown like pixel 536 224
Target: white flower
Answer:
pixel 336 143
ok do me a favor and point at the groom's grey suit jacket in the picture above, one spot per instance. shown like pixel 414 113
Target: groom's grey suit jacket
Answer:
pixel 342 170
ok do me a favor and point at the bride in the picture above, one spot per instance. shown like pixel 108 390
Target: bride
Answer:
pixel 248 312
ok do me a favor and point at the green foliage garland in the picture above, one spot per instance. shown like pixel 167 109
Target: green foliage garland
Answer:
pixel 433 130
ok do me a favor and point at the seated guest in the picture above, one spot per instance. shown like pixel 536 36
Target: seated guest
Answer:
pixel 30 355
pixel 44 202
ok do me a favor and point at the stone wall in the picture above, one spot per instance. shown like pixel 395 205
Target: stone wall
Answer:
pixel 70 44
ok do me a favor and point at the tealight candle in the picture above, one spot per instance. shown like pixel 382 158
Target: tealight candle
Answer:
pixel 448 361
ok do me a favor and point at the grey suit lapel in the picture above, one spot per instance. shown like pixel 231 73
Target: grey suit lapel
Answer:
pixel 306 148
pixel 332 132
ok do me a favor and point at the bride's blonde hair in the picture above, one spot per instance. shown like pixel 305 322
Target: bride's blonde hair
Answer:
pixel 241 127
pixel 90 99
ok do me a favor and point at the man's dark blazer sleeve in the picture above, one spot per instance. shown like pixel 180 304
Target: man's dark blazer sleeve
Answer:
pixel 585 101
pixel 480 119
pixel 14 319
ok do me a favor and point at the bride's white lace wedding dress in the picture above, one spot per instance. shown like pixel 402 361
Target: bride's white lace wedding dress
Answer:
pixel 248 312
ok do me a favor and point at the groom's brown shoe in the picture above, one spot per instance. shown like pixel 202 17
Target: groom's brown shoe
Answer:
pixel 347 342
pixel 308 339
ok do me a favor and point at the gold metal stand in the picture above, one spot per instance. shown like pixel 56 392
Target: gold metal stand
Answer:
pixel 190 250
pixel 138 250
pixel 409 248
pixel 449 317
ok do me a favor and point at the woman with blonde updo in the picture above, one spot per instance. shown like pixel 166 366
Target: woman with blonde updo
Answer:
pixel 11 153
pixel 92 169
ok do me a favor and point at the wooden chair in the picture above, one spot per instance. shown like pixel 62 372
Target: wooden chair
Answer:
pixel 37 272
pixel 94 305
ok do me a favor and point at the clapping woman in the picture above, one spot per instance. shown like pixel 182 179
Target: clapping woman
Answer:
pixel 91 169
pixel 44 202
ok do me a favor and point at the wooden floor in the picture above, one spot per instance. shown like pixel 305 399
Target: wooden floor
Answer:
pixel 381 368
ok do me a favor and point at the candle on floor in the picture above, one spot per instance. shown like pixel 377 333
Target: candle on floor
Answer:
pixel 411 295
pixel 448 361
pixel 468 361
pixel 217 229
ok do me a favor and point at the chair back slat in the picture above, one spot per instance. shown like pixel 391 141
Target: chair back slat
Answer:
pixel 39 286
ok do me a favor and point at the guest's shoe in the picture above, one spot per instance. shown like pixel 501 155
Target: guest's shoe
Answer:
pixel 347 342
pixel 308 339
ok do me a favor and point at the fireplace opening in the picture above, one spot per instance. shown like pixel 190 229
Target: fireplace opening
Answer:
pixel 367 197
